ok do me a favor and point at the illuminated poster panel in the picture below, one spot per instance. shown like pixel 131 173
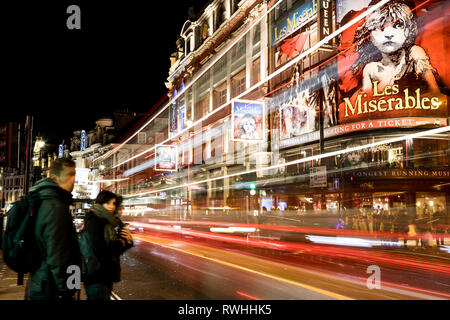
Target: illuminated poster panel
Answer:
pixel 297 18
pixel 357 158
pixel 300 105
pixel 60 151
pixel 166 158
pixel 393 63
pixel 299 115
pixel 83 140
pixel 248 121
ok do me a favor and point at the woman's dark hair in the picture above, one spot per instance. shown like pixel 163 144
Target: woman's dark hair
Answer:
pixel 104 196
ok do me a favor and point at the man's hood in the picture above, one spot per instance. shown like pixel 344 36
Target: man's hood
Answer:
pixel 48 188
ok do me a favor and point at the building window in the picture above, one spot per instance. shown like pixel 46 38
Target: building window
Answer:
pixel 141 137
pixel 255 75
pixel 220 16
pixel 202 108
pixel 205 30
pixel 238 84
pixel 220 96
pixel 238 51
pixel 219 70
pixel 234 6
pixel 257 34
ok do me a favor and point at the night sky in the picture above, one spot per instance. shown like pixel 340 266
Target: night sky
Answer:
pixel 68 79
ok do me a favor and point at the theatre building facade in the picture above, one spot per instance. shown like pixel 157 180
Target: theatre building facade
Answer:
pixel 297 108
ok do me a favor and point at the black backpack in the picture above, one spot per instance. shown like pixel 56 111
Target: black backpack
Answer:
pixel 20 249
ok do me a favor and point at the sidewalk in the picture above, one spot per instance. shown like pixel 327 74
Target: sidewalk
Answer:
pixel 9 290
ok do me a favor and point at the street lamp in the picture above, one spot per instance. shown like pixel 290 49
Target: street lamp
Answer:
pixel 40 143
pixel 37 156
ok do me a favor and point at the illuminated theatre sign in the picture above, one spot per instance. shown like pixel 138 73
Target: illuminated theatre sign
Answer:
pixel 388 100
pixel 392 70
pixel 294 21
pixel 402 173
pixel 364 125
pixel 387 68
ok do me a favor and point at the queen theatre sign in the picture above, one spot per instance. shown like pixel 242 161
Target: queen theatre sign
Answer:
pixel 325 21
pixel 403 174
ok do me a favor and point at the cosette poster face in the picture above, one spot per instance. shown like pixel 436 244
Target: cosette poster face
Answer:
pixel 393 62
pixel 166 158
pixel 248 121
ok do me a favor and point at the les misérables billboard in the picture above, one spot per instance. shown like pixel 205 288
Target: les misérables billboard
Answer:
pixel 393 63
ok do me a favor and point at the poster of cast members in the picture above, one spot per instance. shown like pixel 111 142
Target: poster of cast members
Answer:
pixel 166 158
pixel 248 121
pixel 299 114
pixel 393 63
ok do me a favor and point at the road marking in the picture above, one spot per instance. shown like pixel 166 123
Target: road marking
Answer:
pixel 295 283
pixel 114 296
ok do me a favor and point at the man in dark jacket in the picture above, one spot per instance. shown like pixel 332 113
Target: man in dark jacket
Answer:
pixel 55 235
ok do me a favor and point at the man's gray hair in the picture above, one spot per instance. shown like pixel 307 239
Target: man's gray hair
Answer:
pixel 57 167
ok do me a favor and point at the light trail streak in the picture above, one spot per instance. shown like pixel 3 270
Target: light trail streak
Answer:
pixel 267 78
pixel 346 253
pixel 335 232
pixel 247 295
pixel 233 265
pixel 405 290
pixel 303 160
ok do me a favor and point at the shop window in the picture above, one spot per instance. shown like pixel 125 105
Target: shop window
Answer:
pixel 430 153
pixel 387 156
pixel 429 204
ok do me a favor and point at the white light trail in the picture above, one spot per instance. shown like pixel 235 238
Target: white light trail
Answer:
pixel 232 230
pixel 351 242
pixel 267 78
pixel 311 158
pixel 111 180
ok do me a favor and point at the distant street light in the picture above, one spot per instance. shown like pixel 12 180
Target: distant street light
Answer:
pixel 40 143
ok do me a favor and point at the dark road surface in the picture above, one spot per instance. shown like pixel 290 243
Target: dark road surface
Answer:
pixel 161 267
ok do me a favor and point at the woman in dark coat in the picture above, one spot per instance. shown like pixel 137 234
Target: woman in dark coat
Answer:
pixel 108 238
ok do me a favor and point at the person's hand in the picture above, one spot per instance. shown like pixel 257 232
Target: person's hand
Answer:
pixel 125 236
